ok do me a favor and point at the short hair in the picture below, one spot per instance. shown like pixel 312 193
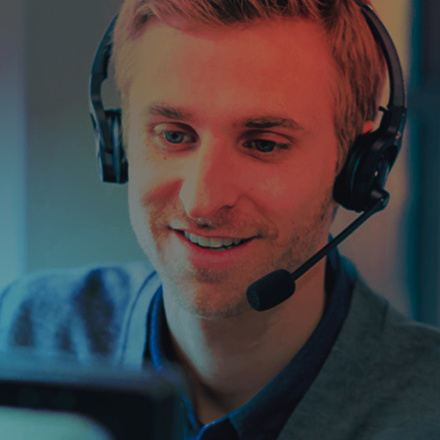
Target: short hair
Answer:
pixel 358 56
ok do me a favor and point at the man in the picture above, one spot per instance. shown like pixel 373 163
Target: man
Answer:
pixel 237 119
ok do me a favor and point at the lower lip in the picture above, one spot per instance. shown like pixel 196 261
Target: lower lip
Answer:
pixel 208 258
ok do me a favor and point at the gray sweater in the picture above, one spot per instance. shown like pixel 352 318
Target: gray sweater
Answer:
pixel 381 380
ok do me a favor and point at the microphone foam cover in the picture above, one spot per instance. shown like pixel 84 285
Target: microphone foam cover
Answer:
pixel 271 290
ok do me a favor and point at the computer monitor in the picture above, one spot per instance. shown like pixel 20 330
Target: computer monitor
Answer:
pixel 57 400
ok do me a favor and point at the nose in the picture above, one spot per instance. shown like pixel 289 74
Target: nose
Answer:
pixel 210 182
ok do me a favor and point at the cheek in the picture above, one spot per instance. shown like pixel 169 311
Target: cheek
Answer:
pixel 151 177
pixel 298 198
pixel 149 204
pixel 293 187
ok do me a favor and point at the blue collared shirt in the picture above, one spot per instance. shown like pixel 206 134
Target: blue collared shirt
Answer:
pixel 263 417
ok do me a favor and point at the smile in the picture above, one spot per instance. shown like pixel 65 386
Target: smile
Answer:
pixel 217 244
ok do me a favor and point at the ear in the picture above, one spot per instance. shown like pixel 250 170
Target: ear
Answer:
pixel 368 127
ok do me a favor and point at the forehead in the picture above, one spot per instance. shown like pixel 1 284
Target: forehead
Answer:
pixel 280 65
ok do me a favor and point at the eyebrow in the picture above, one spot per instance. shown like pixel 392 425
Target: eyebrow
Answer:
pixel 263 122
pixel 271 122
pixel 169 112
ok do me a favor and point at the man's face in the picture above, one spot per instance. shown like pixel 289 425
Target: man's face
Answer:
pixel 232 155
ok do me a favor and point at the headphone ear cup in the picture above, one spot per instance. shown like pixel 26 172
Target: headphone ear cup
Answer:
pixel 112 161
pixel 365 171
pixel 120 162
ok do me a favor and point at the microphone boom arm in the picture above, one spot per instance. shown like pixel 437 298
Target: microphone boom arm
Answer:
pixel 276 287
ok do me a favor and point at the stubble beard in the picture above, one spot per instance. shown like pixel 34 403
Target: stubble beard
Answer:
pixel 218 294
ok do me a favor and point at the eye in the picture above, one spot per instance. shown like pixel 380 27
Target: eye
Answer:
pixel 264 145
pixel 172 137
pixel 176 137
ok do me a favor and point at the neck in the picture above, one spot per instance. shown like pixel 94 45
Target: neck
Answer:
pixel 229 360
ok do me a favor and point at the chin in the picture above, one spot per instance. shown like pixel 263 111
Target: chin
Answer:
pixel 207 297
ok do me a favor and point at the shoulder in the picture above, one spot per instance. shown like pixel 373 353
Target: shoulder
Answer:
pixel 112 283
pixel 83 308
pixel 380 381
pixel 398 338
pixel 409 352
pixel 400 363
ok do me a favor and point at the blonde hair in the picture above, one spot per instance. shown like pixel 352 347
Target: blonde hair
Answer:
pixel 358 57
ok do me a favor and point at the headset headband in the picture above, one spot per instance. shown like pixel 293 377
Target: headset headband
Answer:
pixel 397 104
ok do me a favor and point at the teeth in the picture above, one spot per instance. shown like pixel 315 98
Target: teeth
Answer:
pixel 214 243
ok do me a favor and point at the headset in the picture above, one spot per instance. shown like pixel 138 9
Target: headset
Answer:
pixel 110 153
pixel 371 157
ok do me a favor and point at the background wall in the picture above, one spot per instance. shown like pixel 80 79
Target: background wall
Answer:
pixel 71 218
pixel 13 144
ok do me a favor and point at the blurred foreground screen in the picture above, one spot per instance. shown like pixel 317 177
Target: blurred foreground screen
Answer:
pixel 25 424
pixel 60 399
